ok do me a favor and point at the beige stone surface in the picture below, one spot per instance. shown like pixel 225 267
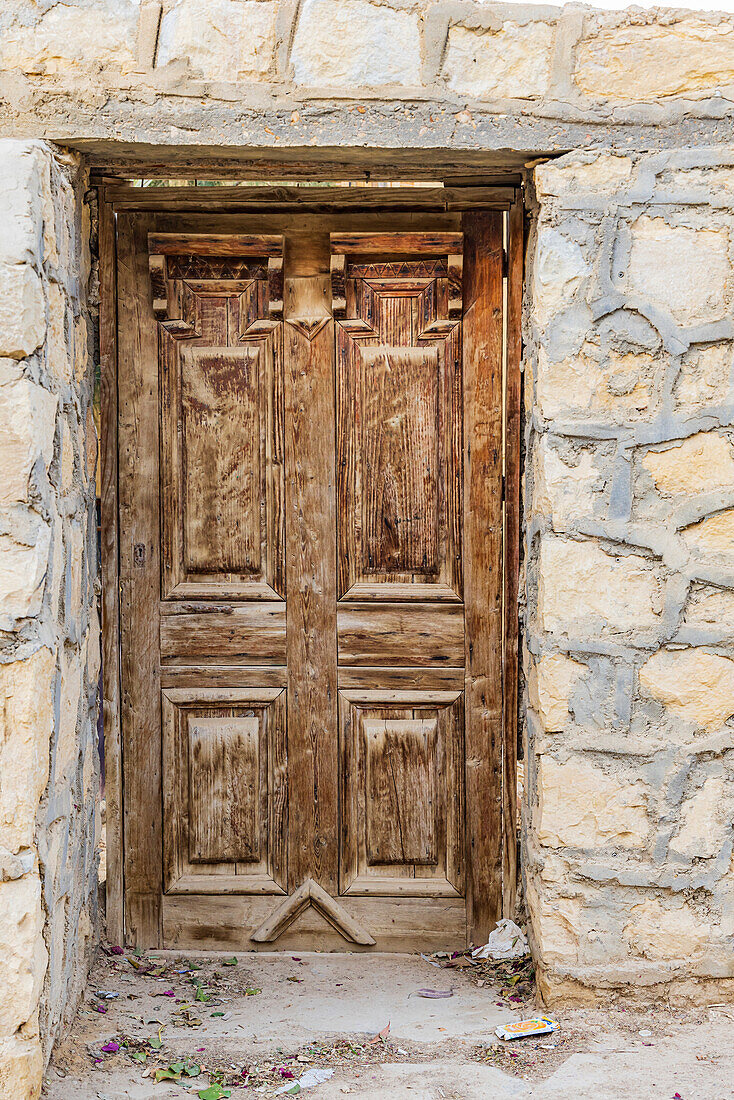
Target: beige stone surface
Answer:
pixel 702 463
pixel 22 311
pixel 21 1068
pixel 73 38
pixel 353 42
pixel 712 538
pixel 711 608
pixel 561 490
pixel 705 377
pixel 559 925
pixel 666 931
pixel 511 62
pixel 582 589
pixel 28 418
pixel 686 56
pixel 23 568
pixel 560 271
pixel 603 174
pixel 26 724
pixel 225 40
pixel 619 388
pixel 551 682
pixel 703 830
pixel 679 268
pixel 693 684
pixel 22 952
pixel 582 806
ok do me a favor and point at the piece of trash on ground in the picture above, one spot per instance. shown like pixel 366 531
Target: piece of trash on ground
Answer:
pixel 307 1080
pixel 538 1025
pixel 437 993
pixel 507 941
pixel 381 1035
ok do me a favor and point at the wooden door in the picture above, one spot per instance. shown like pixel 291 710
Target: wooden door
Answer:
pixel 310 453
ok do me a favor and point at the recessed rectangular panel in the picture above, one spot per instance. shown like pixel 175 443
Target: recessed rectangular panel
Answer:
pixel 399 459
pixel 224 789
pixel 402 791
pixel 220 406
pixel 401 634
pixel 400 757
pixel 251 633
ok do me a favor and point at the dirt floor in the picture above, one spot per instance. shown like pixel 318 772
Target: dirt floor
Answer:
pixel 212 1026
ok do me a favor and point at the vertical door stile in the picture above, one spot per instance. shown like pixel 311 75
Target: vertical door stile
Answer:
pixel 310 563
pixel 483 567
pixel 140 584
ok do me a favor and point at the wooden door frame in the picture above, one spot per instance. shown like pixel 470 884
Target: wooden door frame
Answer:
pixel 499 784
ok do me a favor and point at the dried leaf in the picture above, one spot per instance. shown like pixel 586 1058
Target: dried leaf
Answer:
pixel 381 1036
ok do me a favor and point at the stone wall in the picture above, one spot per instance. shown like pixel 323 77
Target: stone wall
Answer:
pixel 240 75
pixel 629 499
pixel 49 634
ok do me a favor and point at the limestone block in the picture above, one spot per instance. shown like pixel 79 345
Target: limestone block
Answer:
pixel 20 202
pixel 705 377
pixel 666 931
pixel 559 273
pixel 703 831
pixel 680 269
pixel 712 538
pixel 584 591
pixel 702 463
pixel 66 752
pixel 21 1068
pixel 559 925
pixel 23 568
pixel 224 40
pixel 71 38
pixel 22 311
pixel 581 806
pixel 22 951
pixel 619 387
pixel 58 357
pixel 512 62
pixel 550 685
pixel 574 174
pixel 711 609
pixel 640 62
pixel 565 491
pixel 692 684
pixel 27 427
pixel 26 723
pixel 352 42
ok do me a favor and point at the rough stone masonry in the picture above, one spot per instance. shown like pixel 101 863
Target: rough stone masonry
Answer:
pixel 628 585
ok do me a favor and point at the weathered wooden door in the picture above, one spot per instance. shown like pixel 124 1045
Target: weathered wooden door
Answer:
pixel 310 438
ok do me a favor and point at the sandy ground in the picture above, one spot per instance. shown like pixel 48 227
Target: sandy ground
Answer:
pixel 257 1025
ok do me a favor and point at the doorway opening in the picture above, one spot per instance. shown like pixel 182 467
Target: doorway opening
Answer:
pixel 310 403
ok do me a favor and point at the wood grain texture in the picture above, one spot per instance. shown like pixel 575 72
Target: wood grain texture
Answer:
pixel 245 633
pixel 398 419
pixel 394 634
pixel 224 789
pixel 139 583
pixel 225 923
pixel 309 198
pixel 214 244
pixel 114 885
pixel 400 795
pixel 513 434
pixel 310 894
pixel 310 566
pixel 402 792
pixel 483 568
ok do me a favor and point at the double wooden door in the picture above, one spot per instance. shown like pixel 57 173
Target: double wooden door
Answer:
pixel 310 437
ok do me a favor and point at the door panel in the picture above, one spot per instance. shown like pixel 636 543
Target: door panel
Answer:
pixel 311 647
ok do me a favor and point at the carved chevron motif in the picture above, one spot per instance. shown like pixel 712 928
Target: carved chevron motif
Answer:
pixel 310 893
pixel 308 326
